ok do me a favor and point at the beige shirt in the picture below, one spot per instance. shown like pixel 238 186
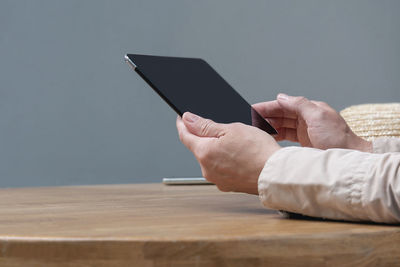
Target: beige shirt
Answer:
pixel 335 183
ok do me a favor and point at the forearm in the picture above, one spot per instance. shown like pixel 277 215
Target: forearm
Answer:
pixel 335 184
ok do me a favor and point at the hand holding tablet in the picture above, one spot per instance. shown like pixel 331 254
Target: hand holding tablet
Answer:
pixel 231 155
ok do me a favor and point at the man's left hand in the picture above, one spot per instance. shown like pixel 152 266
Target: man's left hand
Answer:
pixel 230 155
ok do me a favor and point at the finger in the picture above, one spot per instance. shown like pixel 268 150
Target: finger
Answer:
pixel 203 127
pixel 269 109
pixel 319 103
pixel 297 104
pixel 273 109
pixel 279 136
pixel 190 140
pixel 288 134
pixel 323 105
pixel 282 123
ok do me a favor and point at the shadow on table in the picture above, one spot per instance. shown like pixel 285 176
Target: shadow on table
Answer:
pixel 296 216
pixel 245 210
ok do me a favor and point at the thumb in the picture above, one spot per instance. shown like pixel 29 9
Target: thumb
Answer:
pixel 202 127
pixel 297 105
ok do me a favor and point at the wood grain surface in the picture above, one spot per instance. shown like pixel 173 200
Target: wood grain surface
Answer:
pixel 157 225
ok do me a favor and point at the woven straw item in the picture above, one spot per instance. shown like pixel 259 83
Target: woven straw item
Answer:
pixel 371 121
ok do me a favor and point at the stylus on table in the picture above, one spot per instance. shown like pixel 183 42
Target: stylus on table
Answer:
pixel 186 181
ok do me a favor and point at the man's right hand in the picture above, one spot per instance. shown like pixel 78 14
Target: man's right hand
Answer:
pixel 310 123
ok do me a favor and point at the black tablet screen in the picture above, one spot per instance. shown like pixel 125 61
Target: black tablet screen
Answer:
pixel 191 84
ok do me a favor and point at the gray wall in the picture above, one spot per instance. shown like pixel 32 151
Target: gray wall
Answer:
pixel 72 112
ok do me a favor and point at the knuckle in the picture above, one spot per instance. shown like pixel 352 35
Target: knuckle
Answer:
pixel 301 100
pixel 322 114
pixel 203 154
pixel 237 125
pixel 323 103
pixel 325 106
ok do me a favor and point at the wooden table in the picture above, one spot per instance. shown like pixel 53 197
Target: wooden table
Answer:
pixel 157 225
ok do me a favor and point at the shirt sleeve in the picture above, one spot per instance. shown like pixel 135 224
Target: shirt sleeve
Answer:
pixel 386 144
pixel 335 183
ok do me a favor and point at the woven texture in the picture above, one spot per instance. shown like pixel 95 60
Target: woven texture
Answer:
pixel 371 121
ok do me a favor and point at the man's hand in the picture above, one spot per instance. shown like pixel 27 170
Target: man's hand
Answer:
pixel 230 155
pixel 311 123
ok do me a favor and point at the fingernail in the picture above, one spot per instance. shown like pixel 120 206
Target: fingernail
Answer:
pixel 190 117
pixel 283 96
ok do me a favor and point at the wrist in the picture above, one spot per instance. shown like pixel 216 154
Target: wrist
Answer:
pixel 276 147
pixel 362 145
pixel 367 147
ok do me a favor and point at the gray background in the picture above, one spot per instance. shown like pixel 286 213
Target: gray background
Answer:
pixel 72 112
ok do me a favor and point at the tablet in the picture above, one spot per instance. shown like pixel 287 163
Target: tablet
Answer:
pixel 191 84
